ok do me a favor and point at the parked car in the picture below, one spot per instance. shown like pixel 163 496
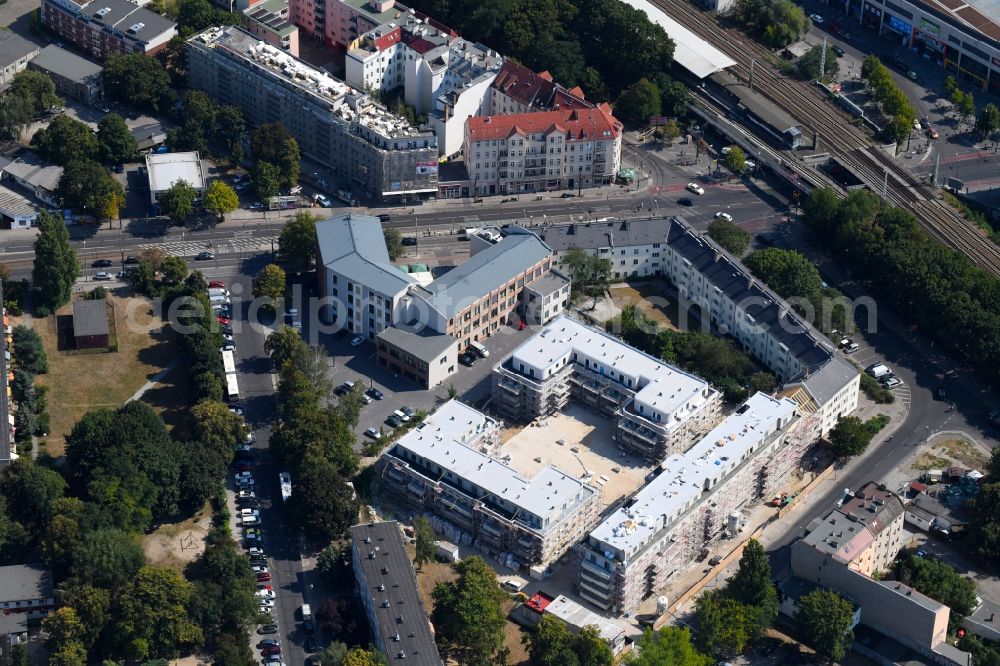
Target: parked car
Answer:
pixel 263 577
pixel 225 321
pixel 103 263
pixel 401 415
pixel 375 393
pixel 408 411
pixel 267 642
pixel 131 260
pixel 409 240
pixel 246 493
pixel 941 393
pixel 309 646
pixel 216 284
pixel 394 421
pixel 932 133
pixel 344 388
pixel 566 195
pixel 383 217
pixel 694 187
pixel 267 629
pixel 308 627
pixel 357 341
pixel 913 76
pixel 271 649
pixel 322 201
pixel 256 552
pixel 259 569
pixel 816 18
pixel 103 275
pixel 373 433
pixel 839 51
pixel 467 359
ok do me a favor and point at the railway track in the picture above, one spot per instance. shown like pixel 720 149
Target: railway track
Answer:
pixel 851 146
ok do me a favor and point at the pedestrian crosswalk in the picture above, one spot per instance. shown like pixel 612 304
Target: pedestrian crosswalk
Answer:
pixel 217 246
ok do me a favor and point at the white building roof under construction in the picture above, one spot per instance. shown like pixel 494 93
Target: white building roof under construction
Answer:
pixel 663 393
pixel 691 51
pixel 441 440
pixel 685 476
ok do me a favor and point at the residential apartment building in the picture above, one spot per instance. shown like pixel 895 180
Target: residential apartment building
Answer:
pixel 516 89
pixel 15 52
pixel 74 76
pixel 388 589
pixel 361 290
pixel 106 27
pixel 635 248
pixel 444 466
pixel 270 20
pixel 422 356
pixel 26 589
pixel 542 150
pixel 379 153
pixel 843 550
pixel 663 527
pixel 441 74
pixel 658 409
pixel 739 305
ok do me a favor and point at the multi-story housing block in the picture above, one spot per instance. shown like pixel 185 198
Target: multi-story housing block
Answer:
pixel 517 89
pixel 15 52
pixel 270 20
pixel 739 305
pixel 106 27
pixel 360 141
pixel 635 248
pixel 442 466
pixel 362 291
pixel 389 594
pixel 661 529
pixel 542 150
pixel 441 74
pixel 658 409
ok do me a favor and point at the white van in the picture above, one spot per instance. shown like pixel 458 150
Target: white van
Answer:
pixel 218 300
pixel 306 612
pixel 479 348
pixel 217 291
pixel 249 521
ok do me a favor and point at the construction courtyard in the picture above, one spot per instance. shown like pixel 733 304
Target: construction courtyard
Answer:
pixel 581 444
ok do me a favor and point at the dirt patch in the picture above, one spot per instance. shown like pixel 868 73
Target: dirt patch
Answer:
pixel 962 451
pixel 81 382
pixel 928 461
pixel 650 299
pixel 176 545
pixel 512 634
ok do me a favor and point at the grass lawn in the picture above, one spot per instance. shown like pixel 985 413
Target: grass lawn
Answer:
pixel 928 461
pixel 81 382
pixel 964 452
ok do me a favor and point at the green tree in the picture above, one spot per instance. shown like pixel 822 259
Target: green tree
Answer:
pixel 221 198
pixel 988 121
pixel 670 645
pixel 322 505
pixel 788 272
pixel 178 201
pixel 230 131
pixel 117 145
pixel 591 275
pixel 984 528
pixel 56 267
pixel 63 627
pixel 808 65
pixel 360 657
pixel 174 270
pixel 938 580
pixel 751 585
pixel 107 558
pixel 468 613
pixel 86 186
pixel 736 160
pixel 393 243
pixel 151 618
pixel 36 88
pixel 137 79
pixel 285 346
pixel 30 490
pixel 92 606
pixel 15 115
pixel 297 243
pixel 270 283
pixel 826 618
pixel 731 237
pixel 638 103
pixel 849 437
pixel 29 351
pixel 553 644
pixel 266 179
pixel 967 106
pixel 725 625
pixel 65 140
pixel 425 546
pixel 272 143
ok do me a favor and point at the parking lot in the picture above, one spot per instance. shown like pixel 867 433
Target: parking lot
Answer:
pixel 359 364
pixel 579 443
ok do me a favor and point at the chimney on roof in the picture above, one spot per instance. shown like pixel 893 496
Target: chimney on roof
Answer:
pixel 718 255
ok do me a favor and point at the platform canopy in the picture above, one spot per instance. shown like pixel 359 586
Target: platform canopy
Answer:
pixel 692 52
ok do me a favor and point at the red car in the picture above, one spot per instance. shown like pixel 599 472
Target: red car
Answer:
pixel 263 577
pixel 270 649
pixel 216 284
pixel 225 321
pixel 242 466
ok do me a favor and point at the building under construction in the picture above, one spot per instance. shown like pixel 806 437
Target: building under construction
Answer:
pixel 447 466
pixel 694 498
pixel 657 408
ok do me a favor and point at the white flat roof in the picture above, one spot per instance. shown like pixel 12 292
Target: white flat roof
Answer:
pixel 579 617
pixel 165 169
pixel 683 478
pixel 228 362
pixel 442 439
pixel 691 51
pixel 658 385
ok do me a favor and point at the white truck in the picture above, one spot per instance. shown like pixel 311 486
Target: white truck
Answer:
pixel 286 485
pixel 878 370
